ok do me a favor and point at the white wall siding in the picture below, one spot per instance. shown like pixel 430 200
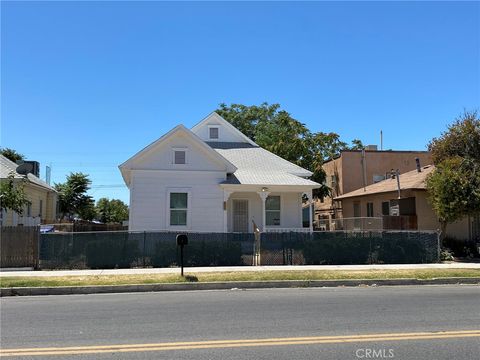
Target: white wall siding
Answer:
pixel 291 210
pixel 149 207
pixel 162 157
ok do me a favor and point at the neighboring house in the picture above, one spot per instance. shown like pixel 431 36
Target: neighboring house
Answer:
pixel 354 169
pixel 214 178
pixel 42 197
pixel 407 209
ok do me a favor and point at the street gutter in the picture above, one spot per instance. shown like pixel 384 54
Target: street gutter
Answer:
pixel 277 284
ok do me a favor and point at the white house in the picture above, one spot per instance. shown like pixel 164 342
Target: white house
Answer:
pixel 214 178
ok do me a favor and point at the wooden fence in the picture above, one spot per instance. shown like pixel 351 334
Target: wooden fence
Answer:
pixel 402 222
pixel 87 227
pixel 19 246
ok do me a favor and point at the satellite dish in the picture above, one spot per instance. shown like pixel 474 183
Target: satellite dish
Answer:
pixel 25 168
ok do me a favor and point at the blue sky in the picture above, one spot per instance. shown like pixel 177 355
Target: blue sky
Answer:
pixel 85 85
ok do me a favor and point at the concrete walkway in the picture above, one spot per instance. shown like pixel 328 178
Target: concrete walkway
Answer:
pixel 237 269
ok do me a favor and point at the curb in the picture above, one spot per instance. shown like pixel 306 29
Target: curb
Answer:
pixel 279 284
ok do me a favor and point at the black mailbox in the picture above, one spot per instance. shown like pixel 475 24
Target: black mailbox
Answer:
pixel 182 239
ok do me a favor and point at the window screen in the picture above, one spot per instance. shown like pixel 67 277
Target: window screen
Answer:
pixel 272 210
pixel 178 208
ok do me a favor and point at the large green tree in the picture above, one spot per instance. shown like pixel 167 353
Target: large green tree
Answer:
pixel 111 211
pixel 12 194
pixel 73 198
pixel 454 186
pixel 11 154
pixel 277 131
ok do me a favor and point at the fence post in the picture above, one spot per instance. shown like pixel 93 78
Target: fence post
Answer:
pixel 36 251
pixel 143 251
pixel 438 247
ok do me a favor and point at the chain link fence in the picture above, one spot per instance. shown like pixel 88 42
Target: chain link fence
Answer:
pixel 121 249
pixel 350 247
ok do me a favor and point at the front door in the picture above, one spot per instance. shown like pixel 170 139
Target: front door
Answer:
pixel 240 215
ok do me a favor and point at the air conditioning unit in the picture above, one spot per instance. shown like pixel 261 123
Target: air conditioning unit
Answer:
pixel 28 167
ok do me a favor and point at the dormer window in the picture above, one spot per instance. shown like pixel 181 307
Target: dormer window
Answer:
pixel 213 132
pixel 179 156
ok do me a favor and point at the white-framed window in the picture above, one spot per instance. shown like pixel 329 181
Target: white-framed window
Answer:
pixel 213 132
pixel 178 206
pixel 179 156
pixel 272 210
pixel 29 209
pixel 40 211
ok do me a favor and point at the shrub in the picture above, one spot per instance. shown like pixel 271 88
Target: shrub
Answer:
pixel 460 248
pixel 446 255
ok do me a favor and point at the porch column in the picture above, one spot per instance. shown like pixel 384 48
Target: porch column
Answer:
pixel 263 195
pixel 226 196
pixel 310 211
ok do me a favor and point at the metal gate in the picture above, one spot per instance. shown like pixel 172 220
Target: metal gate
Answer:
pixel 240 215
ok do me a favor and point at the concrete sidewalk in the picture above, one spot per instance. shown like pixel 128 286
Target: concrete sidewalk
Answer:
pixel 237 269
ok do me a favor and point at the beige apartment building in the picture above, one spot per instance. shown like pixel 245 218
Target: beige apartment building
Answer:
pixel 402 203
pixel 43 198
pixel 355 169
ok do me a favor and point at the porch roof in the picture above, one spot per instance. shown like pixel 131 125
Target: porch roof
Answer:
pixel 267 178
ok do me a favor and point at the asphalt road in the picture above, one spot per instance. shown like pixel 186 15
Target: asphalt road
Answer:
pixel 313 323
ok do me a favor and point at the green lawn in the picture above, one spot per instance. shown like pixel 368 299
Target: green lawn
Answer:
pixel 235 276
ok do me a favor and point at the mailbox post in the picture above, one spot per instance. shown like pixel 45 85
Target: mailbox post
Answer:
pixel 182 240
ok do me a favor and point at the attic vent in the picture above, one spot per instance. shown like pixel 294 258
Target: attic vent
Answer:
pixel 213 133
pixel 179 157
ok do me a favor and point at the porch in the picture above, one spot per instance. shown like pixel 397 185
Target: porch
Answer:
pixel 266 209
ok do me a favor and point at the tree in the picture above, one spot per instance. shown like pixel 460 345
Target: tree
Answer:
pixel 11 154
pixel 461 139
pixel 73 198
pixel 87 211
pixel 454 185
pixel 277 131
pixel 246 118
pixel 111 211
pixel 12 194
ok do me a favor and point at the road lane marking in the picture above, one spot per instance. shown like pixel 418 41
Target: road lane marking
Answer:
pixel 191 345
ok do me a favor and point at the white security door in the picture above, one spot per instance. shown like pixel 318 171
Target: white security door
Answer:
pixel 240 215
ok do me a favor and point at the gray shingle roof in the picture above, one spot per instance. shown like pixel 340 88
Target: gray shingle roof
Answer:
pixel 7 167
pixel 257 166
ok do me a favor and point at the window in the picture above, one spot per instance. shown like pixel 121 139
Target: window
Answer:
pixel 29 209
pixel 385 208
pixel 369 209
pixel 178 208
pixel 272 210
pixel 356 209
pixel 179 157
pixel 40 211
pixel 213 132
